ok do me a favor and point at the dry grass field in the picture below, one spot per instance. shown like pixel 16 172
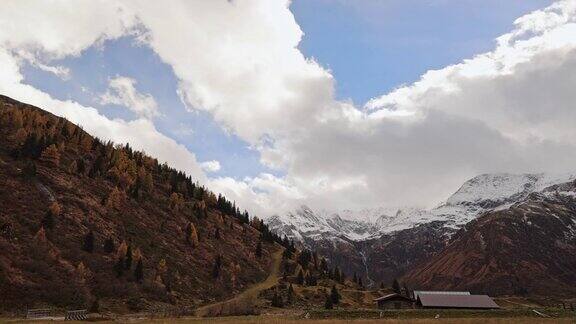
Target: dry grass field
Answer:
pixel 278 320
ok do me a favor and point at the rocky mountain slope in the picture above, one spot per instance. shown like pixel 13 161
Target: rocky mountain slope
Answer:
pixel 85 224
pixel 381 244
pixel 527 248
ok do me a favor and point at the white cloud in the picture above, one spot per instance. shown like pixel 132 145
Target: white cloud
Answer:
pixel 122 91
pixel 61 29
pixel 210 166
pixel 510 109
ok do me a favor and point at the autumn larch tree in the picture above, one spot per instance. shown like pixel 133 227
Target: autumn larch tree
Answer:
pixel 191 235
pixel 51 155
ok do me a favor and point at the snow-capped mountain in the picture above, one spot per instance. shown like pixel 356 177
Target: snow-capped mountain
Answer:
pixel 476 196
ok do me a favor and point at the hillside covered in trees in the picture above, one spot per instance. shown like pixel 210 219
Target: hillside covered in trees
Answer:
pixel 90 224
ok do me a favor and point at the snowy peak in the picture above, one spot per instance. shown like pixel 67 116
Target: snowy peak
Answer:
pixel 476 196
pixel 490 191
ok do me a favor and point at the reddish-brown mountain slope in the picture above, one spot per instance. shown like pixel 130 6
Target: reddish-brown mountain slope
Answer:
pixel 529 248
pixel 157 237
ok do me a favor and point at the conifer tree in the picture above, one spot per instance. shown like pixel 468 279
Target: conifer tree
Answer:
pixel 300 278
pixel 95 307
pixel 328 303
pixel 381 285
pixel 191 235
pixel 29 170
pixel 119 267
pixel 259 249
pixel 139 271
pixel 396 286
pixel 334 295
pixel 51 155
pixel 277 300
pixel 109 245
pixel 216 267
pixel 51 214
pixel 217 234
pixel 290 294
pixel 406 290
pixel 128 260
pixel 88 243
pixel 360 282
pixel 48 221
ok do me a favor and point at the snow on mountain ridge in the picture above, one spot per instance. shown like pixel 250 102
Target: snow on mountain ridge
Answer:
pixel 477 195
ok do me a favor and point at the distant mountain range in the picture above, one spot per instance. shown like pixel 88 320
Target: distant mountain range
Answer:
pixel 477 195
pixel 384 243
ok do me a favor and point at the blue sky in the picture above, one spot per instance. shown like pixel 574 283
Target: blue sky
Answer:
pixel 371 47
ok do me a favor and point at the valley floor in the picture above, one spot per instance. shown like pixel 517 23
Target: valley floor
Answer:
pixel 282 320
pixel 277 316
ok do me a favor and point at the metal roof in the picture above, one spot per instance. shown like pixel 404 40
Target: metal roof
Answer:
pixel 437 292
pixel 456 301
pixel 390 296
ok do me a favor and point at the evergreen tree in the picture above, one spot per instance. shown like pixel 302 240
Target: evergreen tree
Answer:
pixel 48 221
pixel 337 275
pixel 139 271
pixel 88 243
pixel 29 170
pixel 381 285
pixel 328 303
pixel 290 294
pixel 119 267
pixel 109 245
pixel 217 234
pixel 287 254
pixel 406 290
pixel 277 300
pixel 128 260
pixel 310 280
pixel 259 249
pixel 216 267
pixel 300 278
pixel 396 286
pixel 355 278
pixel 334 295
pixel 360 282
pixel 95 307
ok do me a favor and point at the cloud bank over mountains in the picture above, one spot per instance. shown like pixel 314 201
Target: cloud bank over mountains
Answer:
pixel 511 109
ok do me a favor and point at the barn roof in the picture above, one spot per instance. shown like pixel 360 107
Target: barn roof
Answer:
pixel 439 292
pixel 456 301
pixel 391 296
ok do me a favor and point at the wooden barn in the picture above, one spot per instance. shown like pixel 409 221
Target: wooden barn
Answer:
pixel 394 301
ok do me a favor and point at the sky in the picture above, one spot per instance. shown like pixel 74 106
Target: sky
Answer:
pixel 336 104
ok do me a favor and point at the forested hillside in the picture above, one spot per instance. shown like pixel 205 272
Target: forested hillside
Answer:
pixel 85 223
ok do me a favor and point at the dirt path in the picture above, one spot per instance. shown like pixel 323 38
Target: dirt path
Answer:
pixel 248 296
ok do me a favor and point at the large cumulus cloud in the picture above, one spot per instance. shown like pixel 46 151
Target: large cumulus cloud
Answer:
pixel 511 109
